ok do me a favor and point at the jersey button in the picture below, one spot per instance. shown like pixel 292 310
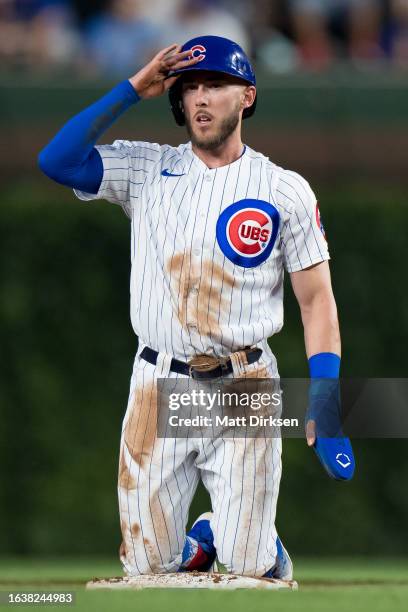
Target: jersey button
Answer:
pixel 208 177
pixel 197 252
pixel 194 291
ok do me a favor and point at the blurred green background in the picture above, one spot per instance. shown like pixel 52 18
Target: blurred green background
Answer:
pixel 67 345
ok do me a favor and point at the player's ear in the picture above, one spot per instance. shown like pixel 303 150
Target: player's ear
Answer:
pixel 249 96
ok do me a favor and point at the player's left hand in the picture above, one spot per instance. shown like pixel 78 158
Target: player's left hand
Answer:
pixel 324 431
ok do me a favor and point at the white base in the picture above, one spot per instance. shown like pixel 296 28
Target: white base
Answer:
pixel 191 580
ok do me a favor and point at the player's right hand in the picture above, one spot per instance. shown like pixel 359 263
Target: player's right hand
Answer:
pixel 153 80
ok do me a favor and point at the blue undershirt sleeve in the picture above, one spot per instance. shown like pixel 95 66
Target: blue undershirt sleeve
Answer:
pixel 71 158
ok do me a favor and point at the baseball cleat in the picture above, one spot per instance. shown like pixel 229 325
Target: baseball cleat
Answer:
pixel 283 568
pixel 199 552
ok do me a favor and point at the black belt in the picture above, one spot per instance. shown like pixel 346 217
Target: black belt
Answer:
pixel 205 366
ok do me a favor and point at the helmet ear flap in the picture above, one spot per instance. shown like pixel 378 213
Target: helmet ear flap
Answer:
pixel 176 103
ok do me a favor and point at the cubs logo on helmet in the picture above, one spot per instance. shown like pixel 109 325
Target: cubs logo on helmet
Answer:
pixel 198 51
pixel 247 231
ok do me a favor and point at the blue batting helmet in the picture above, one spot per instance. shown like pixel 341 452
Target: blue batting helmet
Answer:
pixel 216 54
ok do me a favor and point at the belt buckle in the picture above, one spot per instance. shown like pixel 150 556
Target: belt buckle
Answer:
pixel 203 363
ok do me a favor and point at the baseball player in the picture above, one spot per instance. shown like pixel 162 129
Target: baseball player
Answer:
pixel 214 224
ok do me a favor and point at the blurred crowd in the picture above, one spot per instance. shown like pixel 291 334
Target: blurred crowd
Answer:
pixel 114 38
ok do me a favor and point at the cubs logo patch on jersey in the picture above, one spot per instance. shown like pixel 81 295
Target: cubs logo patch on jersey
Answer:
pixel 247 231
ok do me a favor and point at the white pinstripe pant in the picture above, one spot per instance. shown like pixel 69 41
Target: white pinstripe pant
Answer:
pixel 159 476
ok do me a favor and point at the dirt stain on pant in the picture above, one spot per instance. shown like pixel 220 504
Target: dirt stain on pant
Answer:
pixel 140 429
pixel 139 551
pixel 152 554
pixel 126 543
pixel 125 480
pixel 140 437
pixel 135 530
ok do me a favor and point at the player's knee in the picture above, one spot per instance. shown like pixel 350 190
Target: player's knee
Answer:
pixel 243 561
pixel 140 567
pixel 241 565
pixel 138 561
pixel 140 555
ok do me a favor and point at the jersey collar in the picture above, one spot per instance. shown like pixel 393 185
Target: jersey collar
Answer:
pixel 202 167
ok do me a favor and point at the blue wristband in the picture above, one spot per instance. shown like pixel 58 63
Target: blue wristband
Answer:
pixel 324 365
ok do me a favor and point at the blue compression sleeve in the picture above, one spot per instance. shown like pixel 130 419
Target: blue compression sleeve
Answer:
pixel 70 158
pixel 324 394
pixel 333 449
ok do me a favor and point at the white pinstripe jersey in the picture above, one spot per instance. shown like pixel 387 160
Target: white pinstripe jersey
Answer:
pixel 201 282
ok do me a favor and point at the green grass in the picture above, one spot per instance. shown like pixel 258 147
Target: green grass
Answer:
pixel 327 585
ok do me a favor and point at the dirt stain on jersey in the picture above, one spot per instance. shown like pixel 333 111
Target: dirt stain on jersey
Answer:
pixel 211 299
pixel 197 289
pixel 179 269
pixel 245 370
pixel 259 372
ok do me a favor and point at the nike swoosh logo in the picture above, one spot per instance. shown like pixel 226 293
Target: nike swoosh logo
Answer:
pixel 166 172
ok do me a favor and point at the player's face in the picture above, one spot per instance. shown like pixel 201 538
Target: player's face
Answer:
pixel 213 105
